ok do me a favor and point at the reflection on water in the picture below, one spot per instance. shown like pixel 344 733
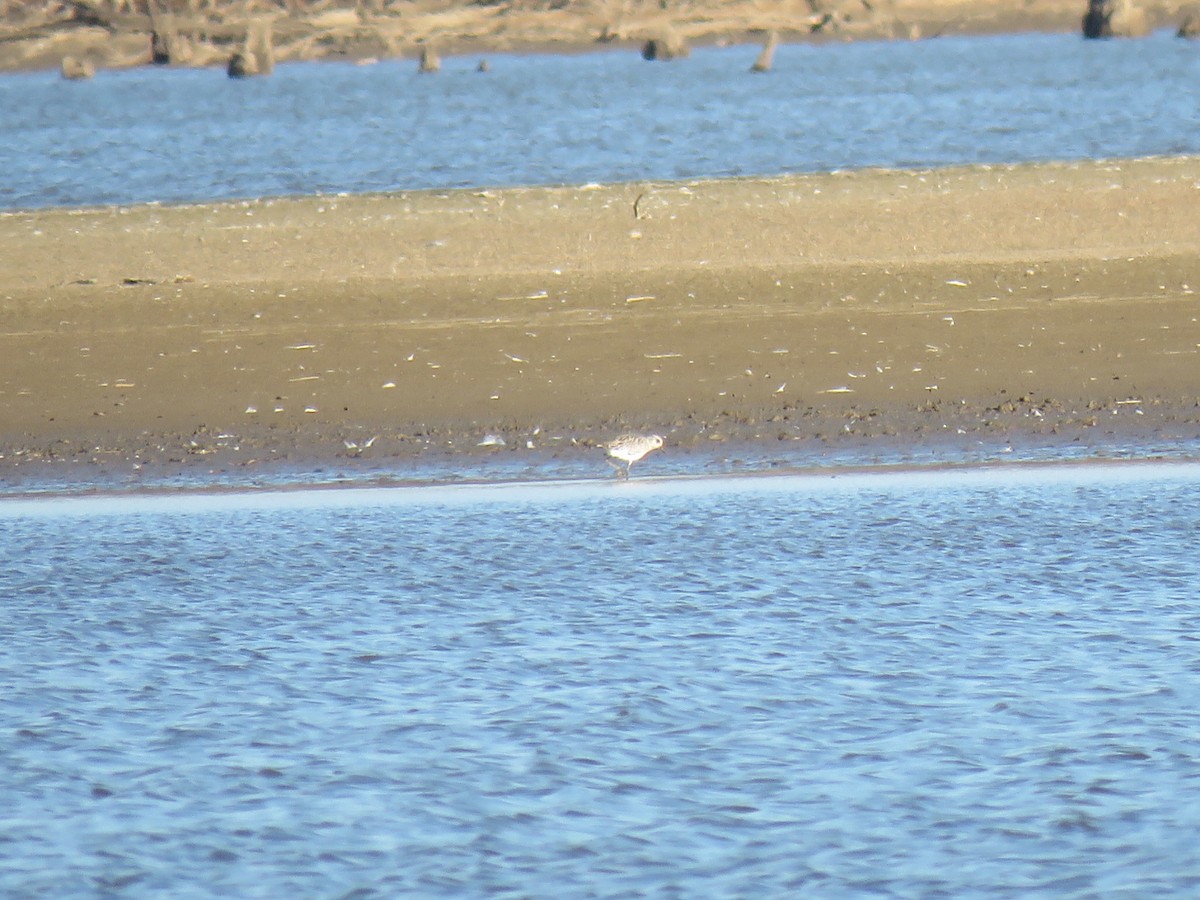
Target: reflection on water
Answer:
pixel 952 682
pixel 182 135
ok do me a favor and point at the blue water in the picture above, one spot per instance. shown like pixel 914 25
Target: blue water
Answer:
pixel 179 135
pixel 981 682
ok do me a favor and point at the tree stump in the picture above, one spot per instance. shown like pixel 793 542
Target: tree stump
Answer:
pixel 241 65
pixel 430 61
pixel 666 47
pixel 74 69
pixel 167 46
pixel 767 57
pixel 1114 18
pixel 260 43
pixel 257 53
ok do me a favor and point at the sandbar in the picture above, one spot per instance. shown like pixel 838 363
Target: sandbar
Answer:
pixel 1045 302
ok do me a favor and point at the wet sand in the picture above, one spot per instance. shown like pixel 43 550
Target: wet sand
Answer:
pixel 1050 303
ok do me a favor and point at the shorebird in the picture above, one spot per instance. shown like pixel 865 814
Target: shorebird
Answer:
pixel 356 449
pixel 629 448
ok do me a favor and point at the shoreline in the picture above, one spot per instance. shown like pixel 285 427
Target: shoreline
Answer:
pixel 800 314
pixel 15 502
pixel 104 35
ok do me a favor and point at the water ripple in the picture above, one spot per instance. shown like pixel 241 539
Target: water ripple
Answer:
pixel 952 690
pixel 181 135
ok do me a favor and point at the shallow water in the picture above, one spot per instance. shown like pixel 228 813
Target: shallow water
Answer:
pixel 179 135
pixel 942 683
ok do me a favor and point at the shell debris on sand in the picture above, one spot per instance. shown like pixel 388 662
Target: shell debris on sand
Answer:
pixel 629 448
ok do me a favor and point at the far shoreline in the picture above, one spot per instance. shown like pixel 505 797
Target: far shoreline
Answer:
pixel 632 49
pixel 105 35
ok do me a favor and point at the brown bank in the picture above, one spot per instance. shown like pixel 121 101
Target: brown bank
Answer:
pixel 1053 302
pixel 104 34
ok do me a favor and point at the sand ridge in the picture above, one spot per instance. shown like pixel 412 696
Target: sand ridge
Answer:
pixel 1054 299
